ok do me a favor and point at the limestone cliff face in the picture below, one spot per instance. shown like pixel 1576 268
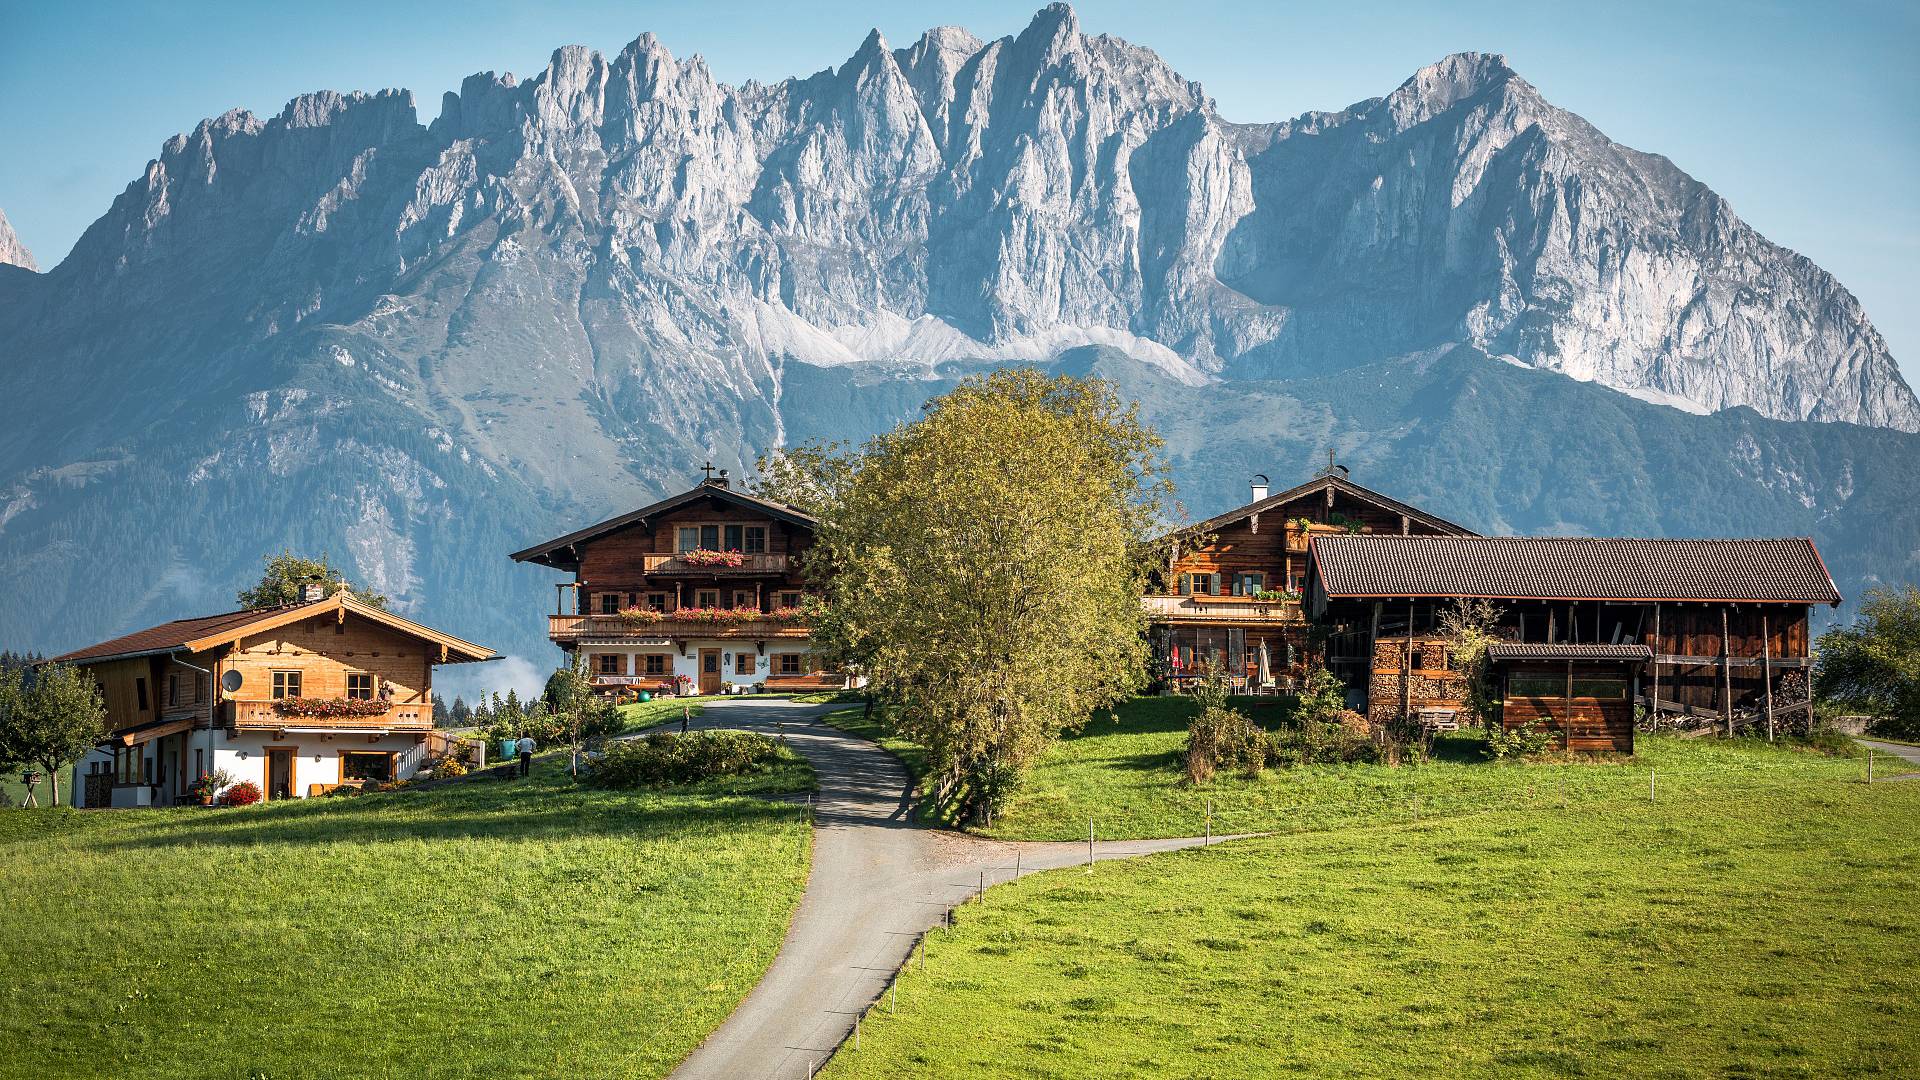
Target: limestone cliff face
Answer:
pixel 564 289
pixel 12 251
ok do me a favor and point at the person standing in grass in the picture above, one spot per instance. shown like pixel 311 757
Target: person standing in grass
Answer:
pixel 526 755
pixel 686 717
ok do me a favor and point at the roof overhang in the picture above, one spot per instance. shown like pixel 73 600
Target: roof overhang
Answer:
pixel 554 552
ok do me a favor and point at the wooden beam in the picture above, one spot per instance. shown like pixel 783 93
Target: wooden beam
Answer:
pixel 1406 675
pixel 1766 670
pixel 1655 707
pixel 1726 673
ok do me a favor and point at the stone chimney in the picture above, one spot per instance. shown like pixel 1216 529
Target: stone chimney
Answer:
pixel 311 591
pixel 1259 486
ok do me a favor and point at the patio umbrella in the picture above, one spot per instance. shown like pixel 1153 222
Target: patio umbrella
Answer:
pixel 1266 676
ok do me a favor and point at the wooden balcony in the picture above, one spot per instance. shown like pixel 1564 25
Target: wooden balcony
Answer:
pixel 672 565
pixel 571 629
pixel 257 715
pixel 1239 609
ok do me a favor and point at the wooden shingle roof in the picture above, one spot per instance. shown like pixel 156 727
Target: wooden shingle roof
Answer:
pixel 208 631
pixel 1511 650
pixel 561 552
pixel 1338 483
pixel 1784 570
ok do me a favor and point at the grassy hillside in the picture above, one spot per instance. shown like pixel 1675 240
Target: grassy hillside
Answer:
pixel 1769 934
pixel 1122 771
pixel 491 928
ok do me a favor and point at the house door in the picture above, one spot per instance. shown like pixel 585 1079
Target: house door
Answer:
pixel 709 671
pixel 279 772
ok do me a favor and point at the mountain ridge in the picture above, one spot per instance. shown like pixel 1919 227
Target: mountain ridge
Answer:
pixel 424 344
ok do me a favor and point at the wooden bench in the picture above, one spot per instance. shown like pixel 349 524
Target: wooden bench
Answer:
pixel 1440 719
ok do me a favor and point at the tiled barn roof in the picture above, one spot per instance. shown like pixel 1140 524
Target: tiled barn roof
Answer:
pixel 1786 570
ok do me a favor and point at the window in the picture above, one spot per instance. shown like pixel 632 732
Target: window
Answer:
pixel 140 692
pixel 743 663
pixel 706 598
pixel 360 686
pixel 286 684
pixel 609 664
pixel 789 599
pixel 126 764
pixel 689 538
pixel 710 537
pixel 756 540
pixel 1599 687
pixel 1536 686
pixel 745 600
pixel 173 689
pixel 657 601
pixel 374 766
pixel 790 663
pixel 199 762
pixel 1249 583
pixel 656 664
pixel 734 538
pixel 609 603
pixel 1200 584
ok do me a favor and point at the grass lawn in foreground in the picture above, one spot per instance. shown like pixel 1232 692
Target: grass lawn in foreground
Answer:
pixel 491 928
pixel 1124 772
pixel 1772 935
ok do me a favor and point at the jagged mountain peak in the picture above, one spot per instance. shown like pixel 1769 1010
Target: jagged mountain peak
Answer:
pixel 12 251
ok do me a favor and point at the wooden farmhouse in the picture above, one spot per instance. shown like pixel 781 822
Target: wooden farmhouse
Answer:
pixel 297 699
pixel 1229 595
pixel 698 593
pixel 1589 627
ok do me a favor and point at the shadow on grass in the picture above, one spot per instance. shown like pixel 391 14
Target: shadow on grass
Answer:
pixel 547 805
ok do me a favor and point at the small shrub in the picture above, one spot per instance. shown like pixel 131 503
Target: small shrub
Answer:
pixel 447 768
pixel 1516 743
pixel 665 757
pixel 244 793
pixel 1222 738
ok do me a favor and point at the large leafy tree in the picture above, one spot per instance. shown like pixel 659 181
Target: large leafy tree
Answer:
pixel 50 720
pixel 287 574
pixel 809 476
pixel 1873 665
pixel 983 566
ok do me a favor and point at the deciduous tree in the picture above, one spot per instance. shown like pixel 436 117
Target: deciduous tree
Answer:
pixel 287 574
pixel 50 720
pixel 1873 665
pixel 983 566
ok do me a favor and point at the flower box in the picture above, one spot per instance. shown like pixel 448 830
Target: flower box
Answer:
pixel 330 708
pixel 709 557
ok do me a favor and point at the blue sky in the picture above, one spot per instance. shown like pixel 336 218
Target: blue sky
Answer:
pixel 1805 116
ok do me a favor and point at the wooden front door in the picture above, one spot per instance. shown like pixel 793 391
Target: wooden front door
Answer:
pixel 279 772
pixel 709 671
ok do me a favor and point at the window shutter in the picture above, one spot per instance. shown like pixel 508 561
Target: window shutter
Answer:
pixel 1181 586
pixel 1216 583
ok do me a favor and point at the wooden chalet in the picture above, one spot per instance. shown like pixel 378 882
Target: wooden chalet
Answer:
pixel 701 592
pixel 298 699
pixel 1714 630
pixel 1230 592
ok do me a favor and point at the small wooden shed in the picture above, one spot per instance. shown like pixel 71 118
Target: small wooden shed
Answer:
pixel 1583 693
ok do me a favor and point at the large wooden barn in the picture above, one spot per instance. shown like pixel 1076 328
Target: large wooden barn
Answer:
pixel 1590 626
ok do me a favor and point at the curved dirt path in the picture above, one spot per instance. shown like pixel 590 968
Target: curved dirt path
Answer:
pixel 878 881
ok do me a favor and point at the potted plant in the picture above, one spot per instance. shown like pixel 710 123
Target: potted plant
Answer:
pixel 244 793
pixel 209 786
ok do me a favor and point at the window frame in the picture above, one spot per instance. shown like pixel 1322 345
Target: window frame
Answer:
pixel 790 663
pixel 754 539
pixel 743 663
pixel 363 692
pixel 286 683
pixel 656 664
pixel 706 598
pixel 685 538
pixel 387 756
pixel 609 603
pixel 611 664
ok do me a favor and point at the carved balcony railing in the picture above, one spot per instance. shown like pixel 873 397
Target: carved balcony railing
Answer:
pixel 569 629
pixel 1222 608
pixel 416 716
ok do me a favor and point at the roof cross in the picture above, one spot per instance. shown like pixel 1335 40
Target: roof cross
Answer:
pixel 708 469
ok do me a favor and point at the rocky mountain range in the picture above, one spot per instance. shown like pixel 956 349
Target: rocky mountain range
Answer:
pixel 12 251
pixel 421 345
